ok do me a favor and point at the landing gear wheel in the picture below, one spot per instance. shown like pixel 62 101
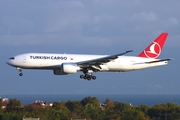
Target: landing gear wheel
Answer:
pixel 89 77
pixel 20 74
pixel 93 77
pixel 82 76
pixel 86 75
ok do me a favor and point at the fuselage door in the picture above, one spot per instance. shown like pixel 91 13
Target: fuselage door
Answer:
pixel 24 59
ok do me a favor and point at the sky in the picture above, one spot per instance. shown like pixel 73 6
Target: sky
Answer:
pixel 102 27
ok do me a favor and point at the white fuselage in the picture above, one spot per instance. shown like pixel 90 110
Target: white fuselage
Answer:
pixel 63 64
pixel 54 61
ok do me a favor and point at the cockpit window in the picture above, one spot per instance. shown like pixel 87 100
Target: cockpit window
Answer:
pixel 11 58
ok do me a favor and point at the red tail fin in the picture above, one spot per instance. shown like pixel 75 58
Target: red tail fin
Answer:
pixel 154 49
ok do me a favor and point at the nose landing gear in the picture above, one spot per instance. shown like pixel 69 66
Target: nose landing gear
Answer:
pixel 20 71
pixel 20 74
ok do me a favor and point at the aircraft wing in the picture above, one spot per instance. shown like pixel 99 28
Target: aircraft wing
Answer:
pixel 99 61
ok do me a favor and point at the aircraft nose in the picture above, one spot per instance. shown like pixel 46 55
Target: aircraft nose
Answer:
pixel 7 62
pixel 10 61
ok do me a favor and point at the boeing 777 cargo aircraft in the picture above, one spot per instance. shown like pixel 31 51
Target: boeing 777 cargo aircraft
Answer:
pixel 63 64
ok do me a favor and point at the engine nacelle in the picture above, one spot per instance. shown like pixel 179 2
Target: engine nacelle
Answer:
pixel 69 68
pixel 59 72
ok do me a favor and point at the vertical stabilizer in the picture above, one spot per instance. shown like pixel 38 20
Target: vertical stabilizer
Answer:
pixel 155 48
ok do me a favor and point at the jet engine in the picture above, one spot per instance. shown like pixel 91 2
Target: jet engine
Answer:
pixel 69 68
pixel 59 72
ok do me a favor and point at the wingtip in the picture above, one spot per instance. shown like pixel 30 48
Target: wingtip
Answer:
pixel 171 59
pixel 129 51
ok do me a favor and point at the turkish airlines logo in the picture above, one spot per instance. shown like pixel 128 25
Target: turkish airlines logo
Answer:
pixel 154 50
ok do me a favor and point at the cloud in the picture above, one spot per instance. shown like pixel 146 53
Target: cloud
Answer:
pixel 173 21
pixel 145 16
pixel 101 23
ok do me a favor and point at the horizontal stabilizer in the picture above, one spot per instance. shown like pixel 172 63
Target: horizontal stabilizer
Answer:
pixel 160 60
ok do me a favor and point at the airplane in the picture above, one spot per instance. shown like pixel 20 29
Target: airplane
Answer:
pixel 63 64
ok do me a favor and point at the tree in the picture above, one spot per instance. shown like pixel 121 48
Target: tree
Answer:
pixel 90 111
pixel 1 109
pixel 108 103
pixel 59 105
pixel 111 114
pixel 14 105
pixel 91 100
pixel 158 111
pixel 61 111
pixel 143 108
pixel 12 116
pixel 0 104
pixel 119 106
pixel 33 111
pixel 132 115
pixel 172 105
pixel 74 106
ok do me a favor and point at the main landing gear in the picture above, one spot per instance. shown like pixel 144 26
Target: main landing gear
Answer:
pixel 87 75
pixel 20 71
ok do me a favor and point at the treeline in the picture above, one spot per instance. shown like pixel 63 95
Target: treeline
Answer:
pixel 90 109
